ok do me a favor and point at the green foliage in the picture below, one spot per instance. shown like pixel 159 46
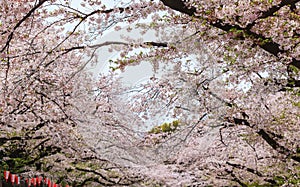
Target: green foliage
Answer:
pixel 277 181
pixel 175 123
pixel 264 41
pixel 294 91
pixel 15 165
pixel 153 25
pixel 3 166
pixel 297 104
pixel 17 158
pixel 238 33
pixel 294 69
pixel 165 127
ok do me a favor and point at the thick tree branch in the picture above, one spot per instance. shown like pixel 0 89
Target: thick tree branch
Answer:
pixel 268 45
pixel 272 10
pixel 180 6
pixel 10 36
pixel 239 166
pixel 270 140
pixel 3 140
pixel 107 180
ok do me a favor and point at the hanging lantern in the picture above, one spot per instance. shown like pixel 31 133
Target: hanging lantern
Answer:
pixel 12 178
pixel 18 180
pixel 6 175
pixel 39 180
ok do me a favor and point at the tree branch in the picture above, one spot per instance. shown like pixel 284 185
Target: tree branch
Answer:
pixel 271 141
pixel 10 36
pixel 272 10
pixel 268 45
pixel 239 166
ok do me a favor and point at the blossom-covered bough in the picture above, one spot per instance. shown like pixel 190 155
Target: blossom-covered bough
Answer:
pixel 45 95
pixel 231 93
pixel 245 78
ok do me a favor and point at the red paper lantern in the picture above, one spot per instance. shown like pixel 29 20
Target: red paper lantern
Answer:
pixel 18 180
pixel 12 178
pixel 6 175
pixel 39 180
pixel 49 183
pixel 34 181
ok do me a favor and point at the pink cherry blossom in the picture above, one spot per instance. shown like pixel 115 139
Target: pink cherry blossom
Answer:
pixel 225 112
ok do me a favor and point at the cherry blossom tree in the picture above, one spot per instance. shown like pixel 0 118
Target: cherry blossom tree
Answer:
pixel 236 68
pixel 46 95
pixel 231 94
